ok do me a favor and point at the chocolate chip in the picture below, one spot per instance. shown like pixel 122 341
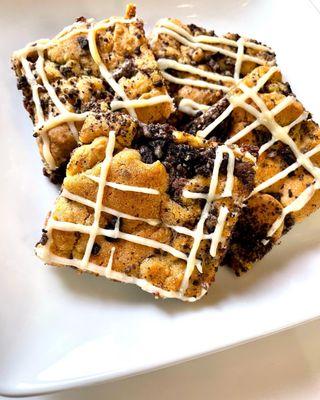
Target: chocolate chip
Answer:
pixel 95 249
pixel 81 19
pixel 83 42
pixel 66 71
pixel 127 70
pixel 159 84
pixel 57 175
pixel 44 238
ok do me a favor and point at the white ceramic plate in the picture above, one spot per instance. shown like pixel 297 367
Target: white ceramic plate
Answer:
pixel 59 330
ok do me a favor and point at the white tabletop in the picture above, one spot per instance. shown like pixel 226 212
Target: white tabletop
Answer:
pixel 283 366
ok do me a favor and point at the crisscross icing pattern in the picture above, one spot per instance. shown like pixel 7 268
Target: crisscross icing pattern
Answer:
pixel 266 117
pixel 214 81
pixel 63 114
pixel 94 230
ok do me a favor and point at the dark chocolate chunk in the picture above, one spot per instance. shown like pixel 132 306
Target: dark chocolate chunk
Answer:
pixel 95 249
pixel 83 42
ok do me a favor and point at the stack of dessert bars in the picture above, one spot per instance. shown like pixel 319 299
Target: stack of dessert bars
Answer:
pixel 177 153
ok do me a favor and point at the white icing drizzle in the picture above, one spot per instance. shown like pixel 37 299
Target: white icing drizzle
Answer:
pixel 95 230
pixel 266 117
pixel 243 132
pixel 193 195
pixel 126 188
pixel 203 42
pixel 60 119
pixel 90 29
pixel 52 93
pixel 216 237
pixel 103 69
pixel 165 63
pixel 193 82
pixel 296 205
pixel 65 193
pixel 205 132
pixel 140 103
pixel 191 107
pixel 198 231
pixel 282 174
pixel 237 101
pixel 110 262
pixel 207 43
pixel 239 59
pixel 38 111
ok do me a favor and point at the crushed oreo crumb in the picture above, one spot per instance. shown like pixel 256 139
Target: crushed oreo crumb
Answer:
pixel 221 131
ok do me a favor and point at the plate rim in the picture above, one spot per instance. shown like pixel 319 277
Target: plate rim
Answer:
pixel 25 389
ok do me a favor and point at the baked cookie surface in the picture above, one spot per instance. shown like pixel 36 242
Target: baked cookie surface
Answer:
pixel 262 111
pixel 108 63
pixel 155 207
pixel 201 67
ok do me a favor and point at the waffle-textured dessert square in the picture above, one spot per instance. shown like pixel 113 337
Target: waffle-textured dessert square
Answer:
pixel 148 205
pixel 201 67
pixel 262 111
pixel 107 62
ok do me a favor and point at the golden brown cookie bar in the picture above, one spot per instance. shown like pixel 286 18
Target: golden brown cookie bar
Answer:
pixel 262 111
pixel 158 214
pixel 107 62
pixel 201 67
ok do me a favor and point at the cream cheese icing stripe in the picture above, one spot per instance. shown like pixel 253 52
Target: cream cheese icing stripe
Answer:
pixel 165 63
pixel 205 132
pixel 60 119
pixel 94 228
pixel 128 188
pixel 114 234
pixel 217 234
pixel 295 205
pixel 71 196
pixel 191 107
pixel 239 59
pixel 140 103
pixel 266 117
pixel 193 82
